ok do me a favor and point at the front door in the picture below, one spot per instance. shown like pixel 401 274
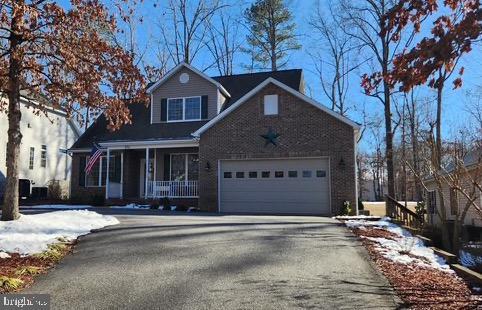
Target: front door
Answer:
pixel 142 173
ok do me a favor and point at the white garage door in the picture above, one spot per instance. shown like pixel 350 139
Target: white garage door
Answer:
pixel 281 186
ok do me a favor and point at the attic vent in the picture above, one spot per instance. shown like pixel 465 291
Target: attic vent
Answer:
pixel 184 78
pixel 271 105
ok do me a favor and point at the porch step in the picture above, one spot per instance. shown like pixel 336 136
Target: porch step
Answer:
pixel 449 257
pixel 471 276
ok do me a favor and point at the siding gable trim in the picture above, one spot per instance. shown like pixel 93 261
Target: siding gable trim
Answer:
pixel 283 86
pixel 156 85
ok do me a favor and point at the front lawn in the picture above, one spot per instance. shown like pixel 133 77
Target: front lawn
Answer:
pixel 34 243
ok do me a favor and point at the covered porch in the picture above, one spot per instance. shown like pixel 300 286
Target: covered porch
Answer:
pixel 153 172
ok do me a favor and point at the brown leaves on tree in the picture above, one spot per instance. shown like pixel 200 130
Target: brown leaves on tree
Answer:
pixel 64 57
pixel 432 60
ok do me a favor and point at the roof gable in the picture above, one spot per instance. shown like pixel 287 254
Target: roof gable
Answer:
pixel 292 91
pixel 166 77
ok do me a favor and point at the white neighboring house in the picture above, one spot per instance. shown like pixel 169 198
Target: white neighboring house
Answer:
pixel 43 156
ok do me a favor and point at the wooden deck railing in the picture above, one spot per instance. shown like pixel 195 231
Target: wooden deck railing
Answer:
pixel 400 213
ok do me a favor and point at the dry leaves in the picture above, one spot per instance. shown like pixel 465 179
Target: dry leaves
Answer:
pixel 419 287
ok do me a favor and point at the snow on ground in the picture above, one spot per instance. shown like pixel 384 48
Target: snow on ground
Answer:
pixel 131 206
pixel 405 249
pixel 32 234
pixel 356 217
pixel 62 207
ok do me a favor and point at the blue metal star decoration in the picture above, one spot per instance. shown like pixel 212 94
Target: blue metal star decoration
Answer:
pixel 271 137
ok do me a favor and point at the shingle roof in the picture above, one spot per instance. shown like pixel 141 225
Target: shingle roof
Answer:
pixel 239 84
pixel 142 129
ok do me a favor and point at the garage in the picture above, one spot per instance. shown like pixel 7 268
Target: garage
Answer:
pixel 277 186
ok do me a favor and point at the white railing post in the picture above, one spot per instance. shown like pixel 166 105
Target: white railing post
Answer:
pixel 146 173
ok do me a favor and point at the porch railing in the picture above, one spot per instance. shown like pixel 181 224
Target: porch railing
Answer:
pixel 172 189
pixel 399 212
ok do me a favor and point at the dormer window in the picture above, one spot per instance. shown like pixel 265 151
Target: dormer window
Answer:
pixel 183 109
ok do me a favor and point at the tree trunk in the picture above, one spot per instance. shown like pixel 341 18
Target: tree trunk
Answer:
pixel 413 137
pixel 10 208
pixel 389 145
pixel 438 141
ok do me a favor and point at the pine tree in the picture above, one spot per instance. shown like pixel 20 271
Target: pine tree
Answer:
pixel 272 33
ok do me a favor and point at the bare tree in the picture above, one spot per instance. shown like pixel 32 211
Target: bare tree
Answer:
pixel 460 176
pixel 333 60
pixel 365 22
pixel 185 27
pixel 224 41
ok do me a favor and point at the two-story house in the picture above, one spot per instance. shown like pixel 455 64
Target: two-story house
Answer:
pixel 43 152
pixel 241 143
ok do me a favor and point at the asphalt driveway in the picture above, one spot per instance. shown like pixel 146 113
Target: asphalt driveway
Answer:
pixel 153 261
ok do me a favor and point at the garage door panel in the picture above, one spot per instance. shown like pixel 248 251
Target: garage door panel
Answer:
pixel 305 191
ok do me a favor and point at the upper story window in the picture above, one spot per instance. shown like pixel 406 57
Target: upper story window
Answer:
pixel 271 105
pixel 183 109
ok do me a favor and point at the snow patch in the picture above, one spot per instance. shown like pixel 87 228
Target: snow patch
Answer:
pixel 4 255
pixel 405 249
pixel 356 217
pixel 32 234
pixel 131 206
pixel 62 207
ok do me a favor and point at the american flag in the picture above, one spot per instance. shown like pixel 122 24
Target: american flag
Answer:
pixel 94 156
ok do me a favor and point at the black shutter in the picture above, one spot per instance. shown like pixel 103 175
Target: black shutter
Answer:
pixel 204 107
pixel 164 110
pixel 82 170
pixel 167 167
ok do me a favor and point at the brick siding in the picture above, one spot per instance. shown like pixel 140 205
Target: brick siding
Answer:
pixel 305 131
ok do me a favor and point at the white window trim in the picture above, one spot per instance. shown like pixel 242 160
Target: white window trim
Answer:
pixel 186 163
pixel 184 110
pixel 99 179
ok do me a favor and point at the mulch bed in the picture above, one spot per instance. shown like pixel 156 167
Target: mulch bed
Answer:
pixel 10 266
pixel 419 287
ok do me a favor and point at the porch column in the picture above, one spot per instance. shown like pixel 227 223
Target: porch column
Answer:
pixel 146 174
pixel 107 175
pixel 122 176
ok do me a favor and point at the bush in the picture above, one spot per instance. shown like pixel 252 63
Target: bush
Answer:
pixel 420 208
pixel 346 209
pixel 154 206
pixel 97 200
pixel 54 190
pixel 181 207
pixel 166 203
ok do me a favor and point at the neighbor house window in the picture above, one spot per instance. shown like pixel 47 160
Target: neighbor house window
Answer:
pixel 31 158
pixel 43 156
pixel 271 105
pixel 184 167
pixel 432 201
pixel 183 109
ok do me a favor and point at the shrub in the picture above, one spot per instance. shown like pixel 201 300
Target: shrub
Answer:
pixel 181 207
pixel 54 190
pixel 10 283
pixel 154 206
pixel 29 270
pixel 165 202
pixel 346 209
pixel 420 208
pixel 97 200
